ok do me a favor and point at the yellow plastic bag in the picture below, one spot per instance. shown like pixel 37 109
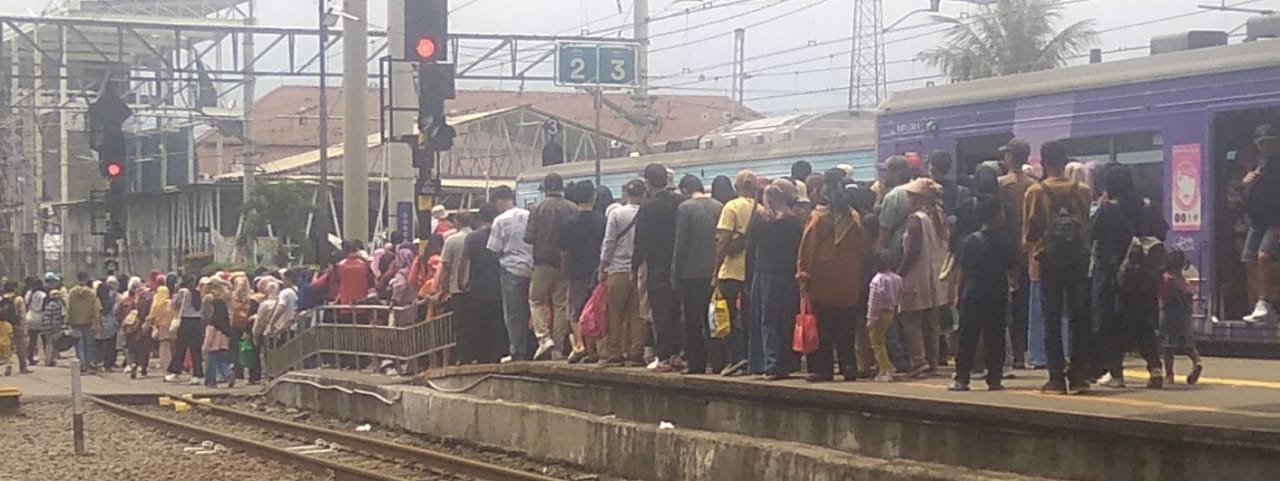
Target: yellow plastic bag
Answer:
pixel 718 316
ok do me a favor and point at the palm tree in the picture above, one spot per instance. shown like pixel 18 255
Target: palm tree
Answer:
pixel 1009 37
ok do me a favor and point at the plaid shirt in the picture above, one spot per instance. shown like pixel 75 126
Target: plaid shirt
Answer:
pixel 886 294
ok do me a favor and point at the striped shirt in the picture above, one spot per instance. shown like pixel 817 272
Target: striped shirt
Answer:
pixel 886 294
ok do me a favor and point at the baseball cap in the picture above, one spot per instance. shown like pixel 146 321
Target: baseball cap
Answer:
pixel 1264 132
pixel 1017 147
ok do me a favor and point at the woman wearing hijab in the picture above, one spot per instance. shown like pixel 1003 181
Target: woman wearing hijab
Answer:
pixel 239 307
pixel 830 255
pixel 924 249
pixel 109 296
pixel 160 318
pixel 137 331
pixel 773 238
pixel 403 293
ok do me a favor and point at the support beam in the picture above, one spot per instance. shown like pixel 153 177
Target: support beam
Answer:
pixel 355 81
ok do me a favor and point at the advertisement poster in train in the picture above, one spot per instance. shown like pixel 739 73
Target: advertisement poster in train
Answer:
pixel 1185 189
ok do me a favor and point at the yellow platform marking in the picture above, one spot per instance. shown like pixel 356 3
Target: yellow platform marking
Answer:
pixel 1140 374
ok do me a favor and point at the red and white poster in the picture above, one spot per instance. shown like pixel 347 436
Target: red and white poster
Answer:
pixel 1185 189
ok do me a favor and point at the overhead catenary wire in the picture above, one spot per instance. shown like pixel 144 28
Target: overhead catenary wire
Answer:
pixel 729 33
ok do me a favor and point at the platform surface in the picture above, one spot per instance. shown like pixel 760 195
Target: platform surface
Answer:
pixel 1234 394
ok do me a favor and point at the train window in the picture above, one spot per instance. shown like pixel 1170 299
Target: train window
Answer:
pixel 971 151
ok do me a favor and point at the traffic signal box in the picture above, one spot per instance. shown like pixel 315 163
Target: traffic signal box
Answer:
pixel 426 27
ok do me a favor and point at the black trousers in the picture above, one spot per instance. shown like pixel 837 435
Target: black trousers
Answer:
pixel 665 305
pixel 1131 321
pixel 107 353
pixel 190 339
pixel 481 333
pixel 835 341
pixel 1066 289
pixel 1019 311
pixel 695 297
pixel 986 321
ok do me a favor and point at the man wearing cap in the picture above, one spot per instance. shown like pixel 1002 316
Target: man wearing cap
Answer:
pixel 1262 205
pixel 548 286
pixel 506 239
pixel 1013 192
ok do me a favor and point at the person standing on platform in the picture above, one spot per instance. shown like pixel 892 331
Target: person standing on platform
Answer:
pixel 480 301
pixel 722 189
pixel 884 298
pixel 1055 226
pixel 693 268
pixel 985 258
pixel 731 262
pixel 83 316
pixel 452 269
pixel 109 321
pixel 1013 191
pixel 1175 321
pixel 186 305
pixel 579 238
pixel 829 268
pixel 54 316
pixel 1262 205
pixel 160 318
pixel 506 239
pixel 624 337
pixel 773 239
pixel 548 286
pixel 924 292
pixel 34 298
pixel 654 245
pixel 1125 282
pixel 12 310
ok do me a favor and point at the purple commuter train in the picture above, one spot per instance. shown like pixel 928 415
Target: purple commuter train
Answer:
pixel 1182 120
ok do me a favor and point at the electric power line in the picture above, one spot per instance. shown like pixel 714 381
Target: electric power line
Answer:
pixel 726 34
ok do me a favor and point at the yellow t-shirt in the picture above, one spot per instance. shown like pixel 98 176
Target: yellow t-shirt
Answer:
pixel 734 218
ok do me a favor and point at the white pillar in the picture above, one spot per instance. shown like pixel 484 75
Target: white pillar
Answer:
pixel 355 84
pixel 403 95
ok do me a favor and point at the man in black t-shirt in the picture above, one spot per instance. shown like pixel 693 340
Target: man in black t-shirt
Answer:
pixel 580 238
pixel 481 322
pixel 1262 205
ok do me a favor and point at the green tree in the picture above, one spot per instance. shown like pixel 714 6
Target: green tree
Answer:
pixel 284 206
pixel 1008 37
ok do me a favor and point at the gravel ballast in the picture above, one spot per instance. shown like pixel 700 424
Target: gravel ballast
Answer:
pixel 37 446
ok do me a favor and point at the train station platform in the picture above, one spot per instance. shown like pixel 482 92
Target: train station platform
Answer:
pixel 53 384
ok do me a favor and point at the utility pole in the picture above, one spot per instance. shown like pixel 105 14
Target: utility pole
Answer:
pixel 866 60
pixel 249 151
pixel 643 103
pixel 321 216
pixel 355 85
pixel 400 184
pixel 739 70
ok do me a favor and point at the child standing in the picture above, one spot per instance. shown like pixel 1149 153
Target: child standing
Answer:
pixel 985 259
pixel 1175 319
pixel 882 307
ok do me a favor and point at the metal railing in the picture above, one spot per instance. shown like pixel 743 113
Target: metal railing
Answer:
pixel 362 336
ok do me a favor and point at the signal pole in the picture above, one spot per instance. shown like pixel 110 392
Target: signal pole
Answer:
pixel 355 86
pixel 739 70
pixel 400 173
pixel 643 102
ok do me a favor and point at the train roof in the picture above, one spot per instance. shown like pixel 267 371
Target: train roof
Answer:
pixel 1189 63
pixel 863 140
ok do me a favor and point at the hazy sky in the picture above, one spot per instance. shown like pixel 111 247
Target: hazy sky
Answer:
pixel 775 26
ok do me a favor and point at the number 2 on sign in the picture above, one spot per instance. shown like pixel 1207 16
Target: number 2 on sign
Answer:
pixel 578 68
pixel 618 73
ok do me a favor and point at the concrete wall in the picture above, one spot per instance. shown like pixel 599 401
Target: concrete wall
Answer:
pixel 981 437
pixel 634 450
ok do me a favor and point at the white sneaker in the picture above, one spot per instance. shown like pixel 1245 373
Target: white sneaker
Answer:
pixel 1262 312
pixel 504 360
pixel 545 345
pixel 1111 382
pixel 170 378
pixel 196 381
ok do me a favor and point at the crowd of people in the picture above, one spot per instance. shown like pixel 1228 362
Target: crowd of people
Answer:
pixel 901 274
pixel 1062 269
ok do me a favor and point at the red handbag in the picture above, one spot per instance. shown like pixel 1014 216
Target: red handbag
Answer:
pixel 804 338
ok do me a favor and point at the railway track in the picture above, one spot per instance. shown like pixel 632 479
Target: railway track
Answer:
pixel 340 455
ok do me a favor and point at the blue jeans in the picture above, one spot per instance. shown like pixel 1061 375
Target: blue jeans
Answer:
pixel 775 301
pixel 84 346
pixel 217 366
pixel 515 311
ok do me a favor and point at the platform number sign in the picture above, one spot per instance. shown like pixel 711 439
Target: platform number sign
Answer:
pixel 592 65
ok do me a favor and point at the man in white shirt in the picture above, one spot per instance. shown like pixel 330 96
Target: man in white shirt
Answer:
pixel 516 258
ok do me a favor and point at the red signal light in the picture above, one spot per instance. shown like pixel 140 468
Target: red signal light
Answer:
pixel 114 169
pixel 425 48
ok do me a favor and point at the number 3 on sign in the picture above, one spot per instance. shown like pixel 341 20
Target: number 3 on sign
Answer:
pixel 578 69
pixel 619 72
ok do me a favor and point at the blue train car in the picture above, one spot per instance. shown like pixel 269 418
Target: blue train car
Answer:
pixel 767 147
pixel 1182 120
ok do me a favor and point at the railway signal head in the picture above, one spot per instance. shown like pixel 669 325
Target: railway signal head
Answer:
pixel 112 170
pixel 426 49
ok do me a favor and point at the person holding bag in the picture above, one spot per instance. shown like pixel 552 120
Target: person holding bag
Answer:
pixel 773 239
pixel 830 250
pixel 160 318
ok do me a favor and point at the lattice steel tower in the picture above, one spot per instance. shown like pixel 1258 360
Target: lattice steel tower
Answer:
pixel 866 60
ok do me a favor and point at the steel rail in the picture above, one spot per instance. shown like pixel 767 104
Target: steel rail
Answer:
pixel 321 466
pixel 381 448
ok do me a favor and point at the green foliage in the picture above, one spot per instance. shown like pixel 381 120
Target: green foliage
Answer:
pixel 284 206
pixel 1011 37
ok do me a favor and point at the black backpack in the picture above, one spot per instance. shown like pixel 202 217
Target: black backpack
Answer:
pixel 1064 239
pixel 9 310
